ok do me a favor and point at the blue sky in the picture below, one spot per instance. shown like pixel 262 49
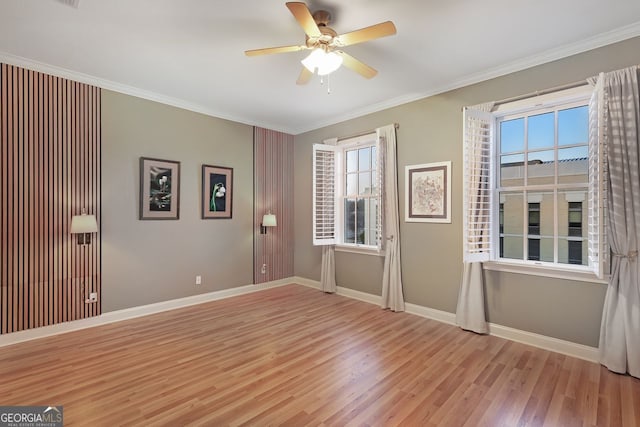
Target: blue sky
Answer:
pixel 573 128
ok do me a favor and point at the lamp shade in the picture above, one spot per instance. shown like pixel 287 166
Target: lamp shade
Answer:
pixel 325 62
pixel 83 224
pixel 269 220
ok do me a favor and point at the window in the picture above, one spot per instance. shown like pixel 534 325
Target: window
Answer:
pixel 360 196
pixel 347 197
pixel 575 240
pixel 534 219
pixel 575 219
pixel 534 249
pixel 533 184
pixel 533 252
pixel 543 157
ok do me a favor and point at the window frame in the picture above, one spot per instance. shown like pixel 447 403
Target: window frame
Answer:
pixel 340 148
pixel 344 145
pixel 579 96
pixel 531 239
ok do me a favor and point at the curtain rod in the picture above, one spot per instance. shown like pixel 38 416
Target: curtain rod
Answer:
pixel 542 92
pixel 545 91
pixel 367 132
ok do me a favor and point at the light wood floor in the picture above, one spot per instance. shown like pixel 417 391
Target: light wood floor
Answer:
pixel 295 356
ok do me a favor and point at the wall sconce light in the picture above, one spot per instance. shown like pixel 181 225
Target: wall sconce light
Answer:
pixel 268 220
pixel 83 225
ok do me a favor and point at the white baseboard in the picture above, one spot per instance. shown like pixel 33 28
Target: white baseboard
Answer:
pixel 306 282
pixel 431 313
pixel 360 296
pixel 536 340
pixel 350 293
pixel 567 348
pixel 130 313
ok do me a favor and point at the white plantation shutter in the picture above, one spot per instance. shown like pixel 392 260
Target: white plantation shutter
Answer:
pixel 597 185
pixel 324 194
pixel 380 154
pixel 478 181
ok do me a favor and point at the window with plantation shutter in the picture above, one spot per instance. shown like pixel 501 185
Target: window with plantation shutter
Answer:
pixel 534 187
pixel 477 202
pixel 347 194
pixel 379 179
pixel 324 194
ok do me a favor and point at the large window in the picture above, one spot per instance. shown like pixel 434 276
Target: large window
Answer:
pixel 360 197
pixel 535 170
pixel 543 162
pixel 347 196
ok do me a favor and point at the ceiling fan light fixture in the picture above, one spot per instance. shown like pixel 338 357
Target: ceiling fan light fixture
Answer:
pixel 325 44
pixel 324 62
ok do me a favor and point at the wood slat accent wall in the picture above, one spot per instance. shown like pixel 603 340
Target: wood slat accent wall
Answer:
pixel 273 157
pixel 50 159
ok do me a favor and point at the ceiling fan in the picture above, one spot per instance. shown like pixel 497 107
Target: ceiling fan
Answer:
pixel 325 44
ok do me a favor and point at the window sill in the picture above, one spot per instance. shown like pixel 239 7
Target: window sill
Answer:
pixel 354 249
pixel 568 273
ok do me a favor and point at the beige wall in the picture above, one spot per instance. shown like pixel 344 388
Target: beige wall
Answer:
pixel 151 261
pixel 431 131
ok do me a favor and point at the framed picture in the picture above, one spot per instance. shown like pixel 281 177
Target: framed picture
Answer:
pixel 217 192
pixel 159 189
pixel 428 192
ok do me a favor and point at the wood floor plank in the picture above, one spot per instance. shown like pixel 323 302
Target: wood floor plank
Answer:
pixel 295 356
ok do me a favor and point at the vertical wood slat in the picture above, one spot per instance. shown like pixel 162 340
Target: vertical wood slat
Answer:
pixel 50 158
pixel 273 191
pixel 4 202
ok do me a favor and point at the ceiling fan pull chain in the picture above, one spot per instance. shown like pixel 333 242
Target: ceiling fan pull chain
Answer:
pixel 328 84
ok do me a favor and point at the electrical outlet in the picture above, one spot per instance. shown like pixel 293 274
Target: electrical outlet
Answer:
pixel 198 280
pixel 93 297
pixel 263 270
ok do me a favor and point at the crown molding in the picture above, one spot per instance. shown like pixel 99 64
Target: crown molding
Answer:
pixel 600 40
pixel 30 64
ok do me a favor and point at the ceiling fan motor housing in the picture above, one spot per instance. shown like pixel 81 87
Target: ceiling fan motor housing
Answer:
pixel 322 18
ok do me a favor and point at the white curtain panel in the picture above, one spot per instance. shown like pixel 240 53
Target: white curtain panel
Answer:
pixel 392 297
pixel 328 272
pixel 470 313
pixel 620 329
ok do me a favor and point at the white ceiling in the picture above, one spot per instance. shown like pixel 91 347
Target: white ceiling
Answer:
pixel 190 53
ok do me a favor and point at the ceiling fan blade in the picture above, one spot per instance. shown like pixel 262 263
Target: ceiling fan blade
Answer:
pixel 301 12
pixel 304 77
pixel 359 67
pixel 270 50
pixel 369 33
